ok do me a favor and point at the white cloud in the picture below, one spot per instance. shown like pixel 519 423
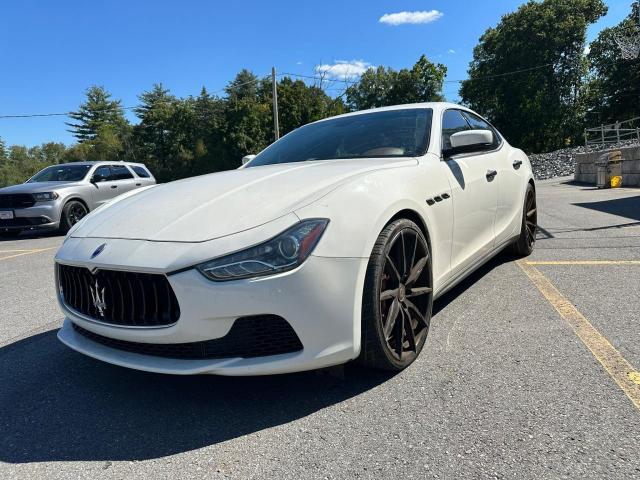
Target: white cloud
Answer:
pixel 344 69
pixel 587 49
pixel 298 63
pixel 401 18
pixel 451 50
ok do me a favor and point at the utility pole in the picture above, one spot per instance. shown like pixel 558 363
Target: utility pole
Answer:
pixel 274 87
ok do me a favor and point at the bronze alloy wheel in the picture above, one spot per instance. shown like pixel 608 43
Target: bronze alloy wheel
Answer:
pixel 398 298
pixel 525 242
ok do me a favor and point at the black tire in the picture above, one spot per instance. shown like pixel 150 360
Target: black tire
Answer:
pixel 10 234
pixel 523 246
pixel 72 213
pixel 394 343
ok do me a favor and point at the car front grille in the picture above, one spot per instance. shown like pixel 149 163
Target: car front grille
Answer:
pixel 17 200
pixel 249 337
pixel 126 299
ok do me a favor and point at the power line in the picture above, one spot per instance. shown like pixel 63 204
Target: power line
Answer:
pixel 313 77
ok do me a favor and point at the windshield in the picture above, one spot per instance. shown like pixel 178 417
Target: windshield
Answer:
pixel 392 133
pixel 61 173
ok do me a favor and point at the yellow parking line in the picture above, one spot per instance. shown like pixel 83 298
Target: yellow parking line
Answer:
pixel 585 262
pixel 627 378
pixel 27 252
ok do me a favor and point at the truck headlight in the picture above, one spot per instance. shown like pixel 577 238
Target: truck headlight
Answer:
pixel 45 196
pixel 283 252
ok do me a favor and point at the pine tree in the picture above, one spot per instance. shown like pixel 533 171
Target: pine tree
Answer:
pixel 96 113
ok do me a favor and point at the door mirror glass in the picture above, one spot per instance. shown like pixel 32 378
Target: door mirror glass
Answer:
pixel 247 158
pixel 470 141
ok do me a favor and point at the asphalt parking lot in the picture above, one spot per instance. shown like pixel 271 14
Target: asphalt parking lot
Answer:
pixel 530 371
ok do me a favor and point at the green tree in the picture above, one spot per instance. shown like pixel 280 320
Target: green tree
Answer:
pixel 385 86
pixel 53 152
pixel 96 112
pixel 614 87
pixel 3 151
pixel 540 107
pixel 299 103
pixel 246 117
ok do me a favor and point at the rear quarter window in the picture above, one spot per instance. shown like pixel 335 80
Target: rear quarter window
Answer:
pixel 141 171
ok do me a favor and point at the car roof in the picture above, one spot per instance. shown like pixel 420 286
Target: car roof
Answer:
pixel 102 162
pixel 438 106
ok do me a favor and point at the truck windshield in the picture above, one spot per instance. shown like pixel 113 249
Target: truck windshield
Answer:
pixel 61 173
pixel 384 134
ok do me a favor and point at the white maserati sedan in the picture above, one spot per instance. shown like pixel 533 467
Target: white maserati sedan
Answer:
pixel 328 246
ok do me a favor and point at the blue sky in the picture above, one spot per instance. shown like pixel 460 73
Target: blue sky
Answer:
pixel 50 52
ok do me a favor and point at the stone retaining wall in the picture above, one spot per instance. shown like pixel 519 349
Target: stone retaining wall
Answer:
pixel 586 171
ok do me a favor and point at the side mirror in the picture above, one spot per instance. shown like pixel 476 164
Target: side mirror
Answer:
pixel 97 178
pixel 470 141
pixel 247 158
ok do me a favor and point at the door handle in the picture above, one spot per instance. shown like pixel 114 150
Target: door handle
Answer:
pixel 138 184
pixel 516 164
pixel 491 174
pixel 114 186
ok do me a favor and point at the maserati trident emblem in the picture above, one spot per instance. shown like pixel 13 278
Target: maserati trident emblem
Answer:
pixel 97 295
pixel 98 250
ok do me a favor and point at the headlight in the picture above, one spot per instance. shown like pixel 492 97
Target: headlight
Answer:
pixel 45 196
pixel 282 253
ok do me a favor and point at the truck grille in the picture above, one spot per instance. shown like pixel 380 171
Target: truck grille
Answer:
pixel 17 200
pixel 127 299
pixel 255 336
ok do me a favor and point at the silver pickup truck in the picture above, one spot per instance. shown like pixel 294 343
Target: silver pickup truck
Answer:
pixel 61 195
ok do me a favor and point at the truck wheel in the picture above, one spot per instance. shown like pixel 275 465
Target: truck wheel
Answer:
pixel 72 213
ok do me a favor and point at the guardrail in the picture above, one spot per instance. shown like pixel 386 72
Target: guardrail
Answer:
pixel 613 132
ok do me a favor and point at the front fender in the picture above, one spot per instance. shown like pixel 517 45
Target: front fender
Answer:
pixel 360 210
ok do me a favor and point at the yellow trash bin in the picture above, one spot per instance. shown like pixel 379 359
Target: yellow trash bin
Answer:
pixel 616 181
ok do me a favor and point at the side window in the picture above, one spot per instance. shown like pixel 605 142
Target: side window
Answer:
pixel 452 122
pixel 120 172
pixel 140 171
pixel 102 174
pixel 478 123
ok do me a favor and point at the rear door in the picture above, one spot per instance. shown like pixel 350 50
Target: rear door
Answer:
pixel 104 185
pixel 123 179
pixel 474 196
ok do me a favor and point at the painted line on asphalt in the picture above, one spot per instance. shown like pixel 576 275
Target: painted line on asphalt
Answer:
pixel 622 372
pixel 584 262
pixel 28 252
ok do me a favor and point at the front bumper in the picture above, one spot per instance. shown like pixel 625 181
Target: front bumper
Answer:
pixel 43 215
pixel 321 300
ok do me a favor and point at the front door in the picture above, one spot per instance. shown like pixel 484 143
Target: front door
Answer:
pixel 474 193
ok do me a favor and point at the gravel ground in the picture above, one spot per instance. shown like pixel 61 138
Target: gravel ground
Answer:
pixel 561 162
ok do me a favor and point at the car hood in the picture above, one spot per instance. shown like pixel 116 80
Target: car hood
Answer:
pixel 36 187
pixel 212 206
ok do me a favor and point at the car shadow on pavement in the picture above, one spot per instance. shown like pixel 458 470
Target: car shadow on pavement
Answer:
pixel 628 207
pixel 32 235
pixel 58 405
pixel 459 289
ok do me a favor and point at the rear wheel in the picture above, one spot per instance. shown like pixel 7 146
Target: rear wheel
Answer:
pixel 397 298
pixel 72 213
pixel 523 246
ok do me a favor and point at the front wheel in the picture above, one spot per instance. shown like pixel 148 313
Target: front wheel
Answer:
pixel 523 246
pixel 397 298
pixel 72 213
